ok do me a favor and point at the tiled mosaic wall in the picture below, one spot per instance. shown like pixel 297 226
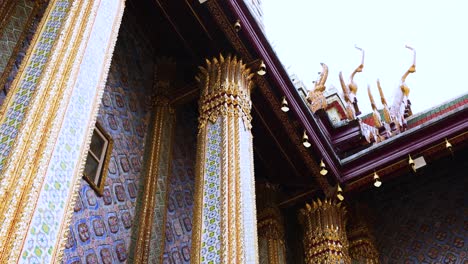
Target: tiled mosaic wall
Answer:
pixel 6 78
pixel 13 30
pixel 424 224
pixel 181 188
pixel 101 226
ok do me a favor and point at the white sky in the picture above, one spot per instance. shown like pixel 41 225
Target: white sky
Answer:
pixel 305 33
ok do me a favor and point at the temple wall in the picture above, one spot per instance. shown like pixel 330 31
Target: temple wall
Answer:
pixel 15 39
pixel 424 222
pixel 13 30
pixel 100 229
pixel 181 183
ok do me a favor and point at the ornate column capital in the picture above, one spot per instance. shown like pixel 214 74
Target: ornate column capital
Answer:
pixel 165 69
pixel 159 100
pixel 270 223
pixel 225 90
pixel 272 249
pixel 325 238
pixel 361 240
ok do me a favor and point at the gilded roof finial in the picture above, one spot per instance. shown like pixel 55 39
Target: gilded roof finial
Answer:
pixel 411 69
pixel 315 97
pixel 352 85
pixel 375 111
pixel 350 90
pixel 401 108
pixel 320 85
pixel 350 114
pixel 371 98
pixel 386 111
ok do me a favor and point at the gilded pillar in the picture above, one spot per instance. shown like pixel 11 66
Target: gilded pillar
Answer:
pixel 46 123
pixel 271 242
pixel 325 240
pixel 148 235
pixel 225 225
pixel 362 247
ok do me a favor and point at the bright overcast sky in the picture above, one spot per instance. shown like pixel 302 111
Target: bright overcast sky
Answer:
pixel 305 33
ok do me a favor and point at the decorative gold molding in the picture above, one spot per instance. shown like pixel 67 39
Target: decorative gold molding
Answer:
pixel 195 255
pixel 361 246
pixel 325 240
pixel 162 132
pixel 162 123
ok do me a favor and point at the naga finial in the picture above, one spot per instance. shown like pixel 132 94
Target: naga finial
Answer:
pixel 412 68
pixel 315 97
pixel 349 108
pixel 320 84
pixel 382 96
pixel 386 111
pixel 358 69
pixel 352 86
pixel 375 112
pixel 371 98
pixel 344 87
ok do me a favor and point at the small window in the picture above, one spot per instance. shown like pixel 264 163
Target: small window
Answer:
pixel 100 149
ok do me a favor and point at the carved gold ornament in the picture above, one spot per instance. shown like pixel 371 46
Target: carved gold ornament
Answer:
pixel 325 240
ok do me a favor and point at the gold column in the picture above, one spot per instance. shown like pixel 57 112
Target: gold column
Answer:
pixel 362 247
pixel 325 239
pixel 225 225
pixel 149 233
pixel 271 242
pixel 162 124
